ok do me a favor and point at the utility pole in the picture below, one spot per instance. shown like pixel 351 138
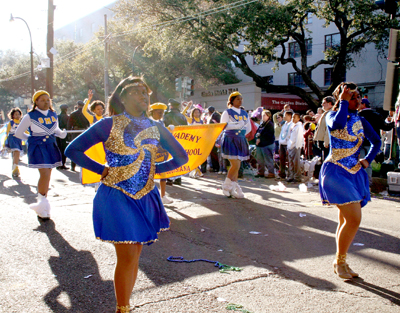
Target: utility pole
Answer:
pixel 105 61
pixel 50 44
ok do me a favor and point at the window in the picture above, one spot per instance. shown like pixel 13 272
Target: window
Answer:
pixel 295 79
pixel 328 77
pixel 332 41
pixel 294 49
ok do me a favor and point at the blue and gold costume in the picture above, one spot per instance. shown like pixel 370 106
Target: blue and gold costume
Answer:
pixel 342 178
pixel 234 143
pixel 12 142
pixel 127 207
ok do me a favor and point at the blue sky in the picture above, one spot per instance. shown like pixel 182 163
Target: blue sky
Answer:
pixel 15 36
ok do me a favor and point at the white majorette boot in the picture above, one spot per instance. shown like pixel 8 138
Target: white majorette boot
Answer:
pixel 15 170
pixel 237 191
pixel 42 207
pixel 227 187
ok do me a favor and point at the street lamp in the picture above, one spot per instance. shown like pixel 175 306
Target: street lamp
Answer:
pixel 12 18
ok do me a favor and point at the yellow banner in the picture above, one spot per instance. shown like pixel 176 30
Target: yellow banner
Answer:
pixel 197 140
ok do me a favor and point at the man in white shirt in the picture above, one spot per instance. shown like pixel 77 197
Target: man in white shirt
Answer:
pixel 295 144
pixel 283 141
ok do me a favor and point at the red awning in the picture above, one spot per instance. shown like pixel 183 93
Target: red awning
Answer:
pixel 276 101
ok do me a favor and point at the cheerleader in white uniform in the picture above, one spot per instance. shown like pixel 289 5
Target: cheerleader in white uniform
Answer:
pixel 13 143
pixel 43 152
pixel 234 145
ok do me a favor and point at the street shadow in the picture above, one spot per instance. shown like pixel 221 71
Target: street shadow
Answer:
pixel 17 188
pixel 80 287
pixel 71 176
pixel 242 232
pixel 390 295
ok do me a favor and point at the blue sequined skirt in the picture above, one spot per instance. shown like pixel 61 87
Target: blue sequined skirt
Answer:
pixel 118 218
pixel 13 143
pixel 337 186
pixel 234 147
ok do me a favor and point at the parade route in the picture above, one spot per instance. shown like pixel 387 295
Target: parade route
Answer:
pixel 283 241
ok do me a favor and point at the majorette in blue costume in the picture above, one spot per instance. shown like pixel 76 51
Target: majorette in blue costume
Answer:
pixel 343 181
pixel 127 208
pixel 234 144
pixel 43 152
pixel 13 143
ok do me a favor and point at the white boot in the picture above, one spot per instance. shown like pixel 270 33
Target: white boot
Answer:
pixel 227 187
pixel 237 191
pixel 42 207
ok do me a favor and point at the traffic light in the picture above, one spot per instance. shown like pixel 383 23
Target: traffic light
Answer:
pixel 389 6
pixel 189 87
pixel 178 84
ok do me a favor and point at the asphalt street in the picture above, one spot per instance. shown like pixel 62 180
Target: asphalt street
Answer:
pixel 283 241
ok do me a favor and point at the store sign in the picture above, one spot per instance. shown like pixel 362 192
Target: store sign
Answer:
pixel 221 92
pixel 277 103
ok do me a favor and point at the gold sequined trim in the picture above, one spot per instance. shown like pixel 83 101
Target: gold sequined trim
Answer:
pixel 115 143
pixel 326 202
pixel 339 154
pixel 134 242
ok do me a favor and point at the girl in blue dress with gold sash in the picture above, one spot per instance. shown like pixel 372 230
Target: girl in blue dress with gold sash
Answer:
pixel 234 145
pixel 43 152
pixel 13 143
pixel 127 208
pixel 343 180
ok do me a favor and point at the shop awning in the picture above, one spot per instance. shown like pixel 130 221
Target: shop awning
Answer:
pixel 276 101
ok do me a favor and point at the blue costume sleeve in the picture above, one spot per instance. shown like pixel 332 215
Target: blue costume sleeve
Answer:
pixel 373 138
pixel 169 143
pixel 98 132
pixel 338 119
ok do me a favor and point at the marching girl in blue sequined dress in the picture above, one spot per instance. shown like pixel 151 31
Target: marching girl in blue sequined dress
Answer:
pixel 43 152
pixel 343 180
pixel 127 208
pixel 13 143
pixel 234 144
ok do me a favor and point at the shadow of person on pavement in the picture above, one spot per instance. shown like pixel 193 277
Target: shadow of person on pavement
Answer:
pixel 80 287
pixel 212 222
pixel 17 188
pixel 74 177
pixel 390 295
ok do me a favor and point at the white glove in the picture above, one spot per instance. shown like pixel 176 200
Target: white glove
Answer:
pixel 171 127
pixel 63 134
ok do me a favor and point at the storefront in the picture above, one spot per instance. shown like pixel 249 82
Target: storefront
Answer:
pixel 217 96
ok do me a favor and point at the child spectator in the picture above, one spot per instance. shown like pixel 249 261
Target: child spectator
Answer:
pixel 294 146
pixel 283 142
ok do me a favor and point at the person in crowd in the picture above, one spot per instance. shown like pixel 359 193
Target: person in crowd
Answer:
pixel 308 140
pixel 234 144
pixel 343 182
pixel 310 113
pixel 278 122
pixel 387 138
pixel 97 108
pixel 13 143
pixel 62 143
pixel 157 113
pixel 127 209
pixel 215 158
pixel 265 144
pixel 294 146
pixel 77 121
pixel 321 135
pixel 283 142
pixel 317 116
pixel 43 153
pixel 213 116
pixel 378 123
pixel 195 117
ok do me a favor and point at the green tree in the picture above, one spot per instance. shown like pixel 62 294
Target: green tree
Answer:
pixel 262 30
